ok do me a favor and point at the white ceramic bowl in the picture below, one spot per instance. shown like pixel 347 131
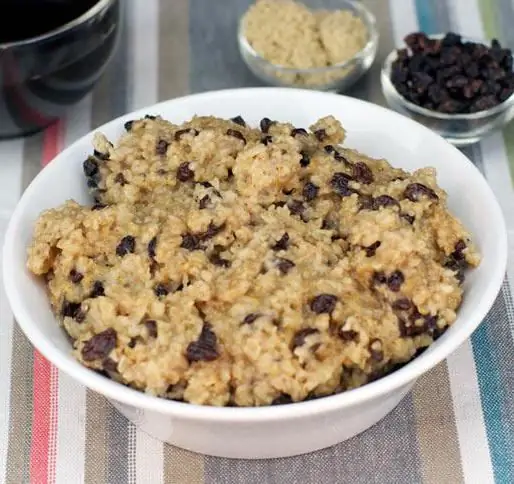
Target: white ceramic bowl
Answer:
pixel 287 429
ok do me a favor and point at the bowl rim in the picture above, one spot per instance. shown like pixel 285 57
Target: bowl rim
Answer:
pixel 87 15
pixel 194 412
pixel 368 49
pixel 385 78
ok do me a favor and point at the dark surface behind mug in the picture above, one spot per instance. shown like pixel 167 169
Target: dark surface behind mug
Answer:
pixel 52 52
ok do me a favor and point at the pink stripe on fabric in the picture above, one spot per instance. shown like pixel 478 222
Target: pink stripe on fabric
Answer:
pixel 46 378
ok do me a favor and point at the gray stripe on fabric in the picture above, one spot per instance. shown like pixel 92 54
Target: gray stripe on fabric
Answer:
pixel 368 87
pixel 387 453
pixel 31 159
pixel 505 18
pixel 20 421
pixel 214 55
pixel 442 15
pixel 174 58
pixel 117 446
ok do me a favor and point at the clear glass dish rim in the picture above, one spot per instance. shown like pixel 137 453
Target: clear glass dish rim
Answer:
pixel 385 76
pixel 372 43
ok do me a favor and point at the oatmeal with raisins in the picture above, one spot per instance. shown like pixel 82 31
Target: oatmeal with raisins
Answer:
pixel 223 264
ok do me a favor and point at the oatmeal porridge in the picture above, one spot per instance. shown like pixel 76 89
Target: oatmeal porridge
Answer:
pixel 223 264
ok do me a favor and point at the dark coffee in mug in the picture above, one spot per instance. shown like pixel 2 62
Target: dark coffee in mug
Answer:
pixel 23 19
pixel 52 53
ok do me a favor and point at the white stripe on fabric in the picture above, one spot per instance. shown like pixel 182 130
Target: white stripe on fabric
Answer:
pixel 10 191
pixel 131 455
pixel 143 23
pixel 71 415
pixel 476 460
pixel 149 459
pixel 465 15
pixel 474 445
pixel 403 19
pixel 143 28
pixel 496 168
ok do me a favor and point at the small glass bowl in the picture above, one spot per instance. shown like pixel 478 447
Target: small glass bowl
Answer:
pixel 458 129
pixel 331 78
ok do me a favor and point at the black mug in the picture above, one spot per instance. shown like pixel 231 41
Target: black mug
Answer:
pixel 52 52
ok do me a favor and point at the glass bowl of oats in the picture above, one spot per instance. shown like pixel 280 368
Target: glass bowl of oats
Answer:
pixel 314 44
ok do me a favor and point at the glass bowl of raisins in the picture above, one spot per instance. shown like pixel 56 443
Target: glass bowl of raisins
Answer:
pixel 460 88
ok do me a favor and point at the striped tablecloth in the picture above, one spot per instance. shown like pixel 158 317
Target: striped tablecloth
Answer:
pixel 458 423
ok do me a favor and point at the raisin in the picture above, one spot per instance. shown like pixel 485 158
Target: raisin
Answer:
pixel 162 147
pixel 362 173
pixel 339 157
pixel 217 260
pixel 151 326
pixel 239 120
pixel 371 249
pixel 97 290
pixel 329 149
pixel 483 103
pixel 310 191
pixel 323 303
pixel 98 206
pixel 402 304
pixel 395 281
pixel 415 191
pixel 296 207
pixel 120 178
pixel 70 309
pixel 161 289
pixel 250 318
pixel 385 201
pixel 282 243
pixel 75 276
pixel 299 337
pixel 366 202
pixel 152 246
pixel 190 242
pixel 205 347
pixel 128 125
pixel 236 134
pixel 378 277
pixel 265 124
pixel 320 134
pixel 182 132
pixel 126 246
pixel 110 365
pixel 100 155
pixel 204 202
pixel 184 173
pixel 340 182
pixel 150 117
pixel 266 140
pixel 460 246
pixel 305 159
pixel 212 231
pixel 230 174
pixel 90 167
pixel 100 345
pixel 299 131
pixel 376 350
pixel 282 399
pixel 347 334
pixel 409 218
pixel 284 265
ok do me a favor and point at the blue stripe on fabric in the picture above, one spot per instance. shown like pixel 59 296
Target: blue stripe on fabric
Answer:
pixel 492 342
pixel 492 349
pixel 427 16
